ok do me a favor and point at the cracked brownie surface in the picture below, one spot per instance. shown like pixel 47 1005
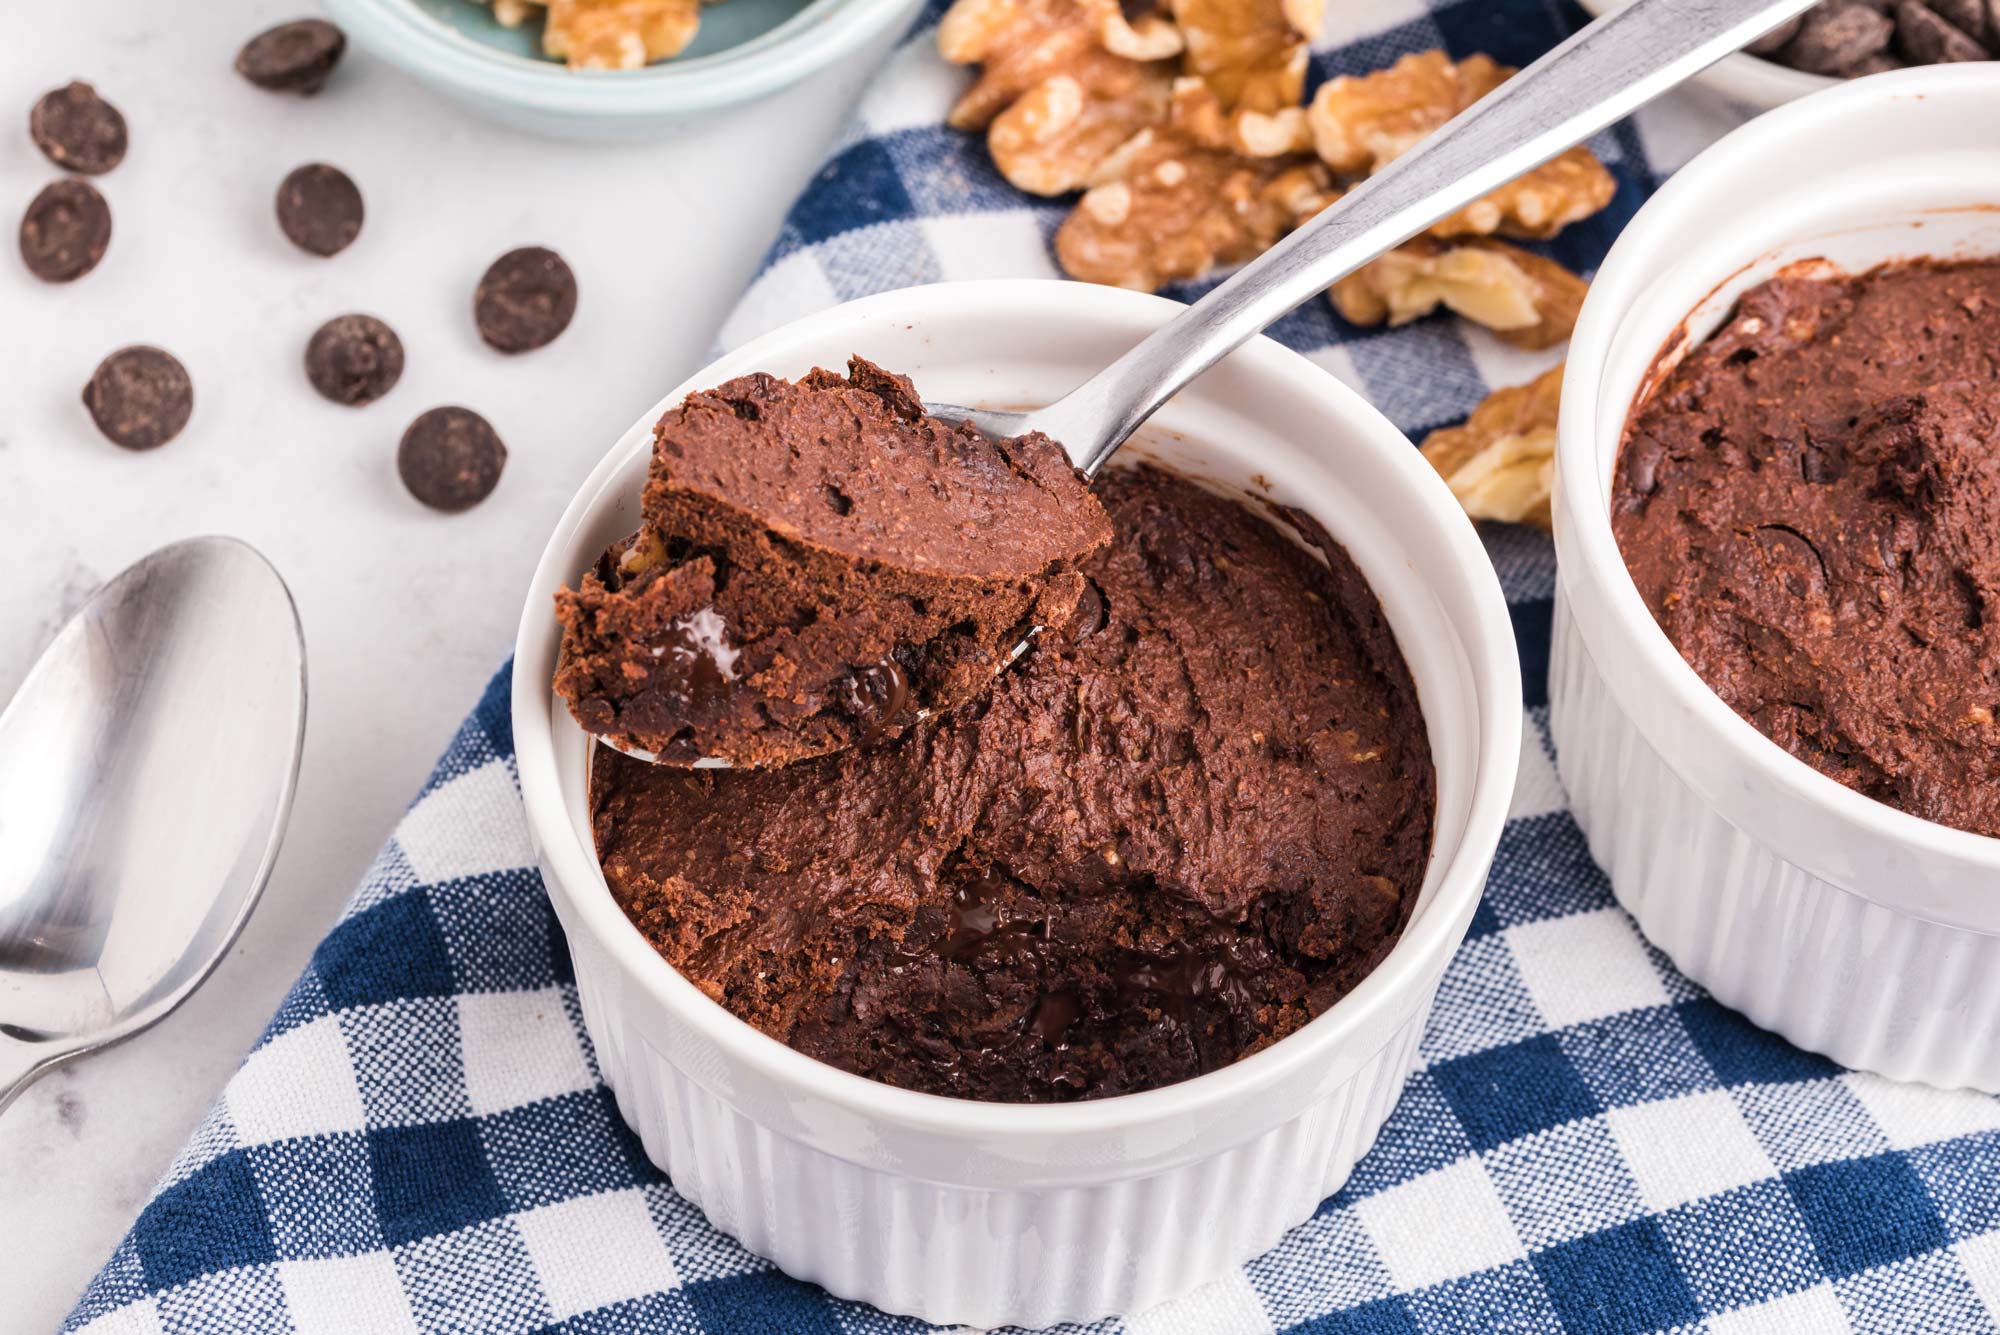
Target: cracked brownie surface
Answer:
pixel 820 565
pixel 1195 814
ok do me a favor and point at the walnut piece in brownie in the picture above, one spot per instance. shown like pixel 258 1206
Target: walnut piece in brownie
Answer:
pixel 820 563
pixel 1188 821
pixel 1810 505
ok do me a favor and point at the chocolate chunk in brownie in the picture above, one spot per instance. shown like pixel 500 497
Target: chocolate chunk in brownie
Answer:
pixel 1810 505
pixel 319 208
pixel 65 231
pixel 821 563
pixel 525 299
pixel 354 359
pixel 140 397
pixel 450 458
pixel 295 57
pixel 1183 825
pixel 78 130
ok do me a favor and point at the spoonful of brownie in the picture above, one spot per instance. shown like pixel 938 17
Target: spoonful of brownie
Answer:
pixel 823 562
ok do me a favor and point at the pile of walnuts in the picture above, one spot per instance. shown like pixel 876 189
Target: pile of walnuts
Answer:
pixel 1185 126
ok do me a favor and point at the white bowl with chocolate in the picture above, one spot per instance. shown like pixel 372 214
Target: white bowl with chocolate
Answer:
pixel 1773 686
pixel 920 1190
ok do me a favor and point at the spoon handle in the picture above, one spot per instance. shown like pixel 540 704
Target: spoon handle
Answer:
pixel 1605 71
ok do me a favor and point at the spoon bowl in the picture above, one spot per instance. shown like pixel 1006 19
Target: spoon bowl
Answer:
pixel 147 765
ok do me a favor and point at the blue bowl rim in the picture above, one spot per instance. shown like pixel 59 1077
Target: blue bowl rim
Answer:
pixel 423 45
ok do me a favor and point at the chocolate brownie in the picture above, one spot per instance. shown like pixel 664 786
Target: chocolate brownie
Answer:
pixel 1193 816
pixel 820 565
pixel 1810 505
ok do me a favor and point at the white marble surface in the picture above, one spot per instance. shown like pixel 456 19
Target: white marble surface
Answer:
pixel 406 612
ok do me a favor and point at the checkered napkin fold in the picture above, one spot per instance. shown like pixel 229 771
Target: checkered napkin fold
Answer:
pixel 421 1141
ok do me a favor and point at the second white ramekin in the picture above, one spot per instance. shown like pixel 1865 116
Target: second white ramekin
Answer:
pixel 994 1214
pixel 1854 929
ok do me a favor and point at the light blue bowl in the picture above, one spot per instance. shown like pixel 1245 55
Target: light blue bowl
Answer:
pixel 746 49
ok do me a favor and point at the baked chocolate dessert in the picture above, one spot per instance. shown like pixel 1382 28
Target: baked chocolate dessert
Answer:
pixel 1193 816
pixel 820 565
pixel 1810 505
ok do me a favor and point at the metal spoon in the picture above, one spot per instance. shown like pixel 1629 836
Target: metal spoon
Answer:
pixel 146 770
pixel 1602 73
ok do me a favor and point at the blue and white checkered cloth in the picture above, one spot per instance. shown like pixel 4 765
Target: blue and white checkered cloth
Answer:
pixel 421 1141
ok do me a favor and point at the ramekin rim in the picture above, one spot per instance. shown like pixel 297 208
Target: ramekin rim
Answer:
pixel 1422 951
pixel 1584 534
pixel 423 45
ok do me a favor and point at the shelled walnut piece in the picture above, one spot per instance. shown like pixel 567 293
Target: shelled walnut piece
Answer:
pixel 1251 53
pixel 1177 200
pixel 1361 123
pixel 608 34
pixel 1500 462
pixel 1062 83
pixel 1527 299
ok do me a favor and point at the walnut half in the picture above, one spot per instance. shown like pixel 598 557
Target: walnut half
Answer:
pixel 1500 462
pixel 608 34
pixel 1361 123
pixel 1177 200
pixel 1251 53
pixel 1527 299
pixel 1062 82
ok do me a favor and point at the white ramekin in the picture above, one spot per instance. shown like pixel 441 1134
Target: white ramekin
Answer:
pixel 1853 929
pixel 986 1213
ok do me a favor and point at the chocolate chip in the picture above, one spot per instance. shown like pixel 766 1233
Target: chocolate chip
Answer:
pixel 1879 63
pixel 1835 36
pixel 78 130
pixel 293 57
pixel 1926 39
pixel 139 397
pixel 1091 612
pixel 354 359
pixel 527 297
pixel 1777 37
pixel 319 208
pixel 450 459
pixel 1968 16
pixel 877 695
pixel 65 231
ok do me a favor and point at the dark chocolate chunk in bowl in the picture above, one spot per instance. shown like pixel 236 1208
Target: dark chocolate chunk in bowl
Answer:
pixel 1925 37
pixel 319 208
pixel 293 57
pixel 140 397
pixel 354 359
pixel 526 298
pixel 78 130
pixel 1776 37
pixel 1968 16
pixel 450 458
pixel 65 231
pixel 1833 38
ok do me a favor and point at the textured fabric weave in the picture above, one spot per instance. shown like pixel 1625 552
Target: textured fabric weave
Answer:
pixel 421 1141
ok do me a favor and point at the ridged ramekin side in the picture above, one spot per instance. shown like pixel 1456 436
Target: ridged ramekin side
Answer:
pixel 977 1256
pixel 1866 985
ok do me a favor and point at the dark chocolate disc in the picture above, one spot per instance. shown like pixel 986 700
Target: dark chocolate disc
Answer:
pixel 354 359
pixel 65 231
pixel 527 297
pixel 319 208
pixel 78 130
pixel 450 458
pixel 140 397
pixel 293 57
